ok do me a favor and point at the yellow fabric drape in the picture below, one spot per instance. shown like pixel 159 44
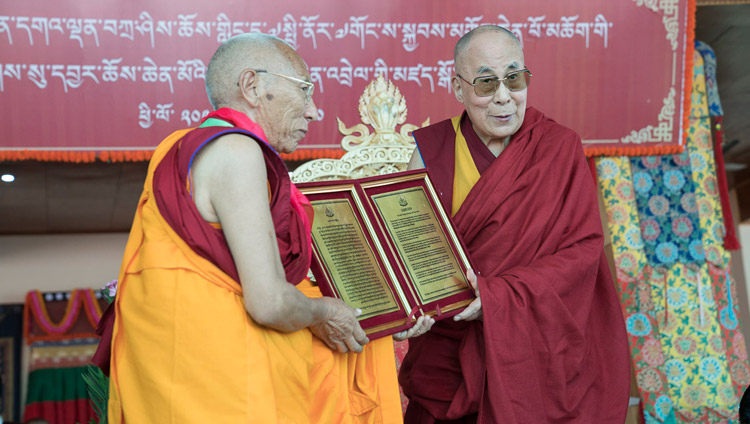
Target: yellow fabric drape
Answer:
pixel 184 349
pixel 466 173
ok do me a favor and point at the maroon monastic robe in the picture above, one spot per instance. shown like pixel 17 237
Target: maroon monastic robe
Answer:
pixel 178 208
pixel 552 346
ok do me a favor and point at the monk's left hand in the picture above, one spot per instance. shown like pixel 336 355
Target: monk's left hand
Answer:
pixel 423 325
pixel 474 310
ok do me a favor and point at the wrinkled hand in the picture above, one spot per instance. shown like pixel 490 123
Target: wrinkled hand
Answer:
pixel 474 310
pixel 340 330
pixel 423 325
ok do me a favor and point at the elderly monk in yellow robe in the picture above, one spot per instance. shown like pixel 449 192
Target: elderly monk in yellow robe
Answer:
pixel 214 321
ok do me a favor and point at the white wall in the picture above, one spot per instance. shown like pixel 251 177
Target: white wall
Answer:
pixel 57 262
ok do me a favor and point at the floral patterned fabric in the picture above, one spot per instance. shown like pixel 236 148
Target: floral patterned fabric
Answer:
pixel 711 220
pixel 677 294
pixel 636 300
pixel 712 107
pixel 704 175
pixel 667 209
pixel 725 290
pixel 695 364
pixel 712 88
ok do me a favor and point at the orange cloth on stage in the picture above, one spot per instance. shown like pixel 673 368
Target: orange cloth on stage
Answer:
pixel 184 349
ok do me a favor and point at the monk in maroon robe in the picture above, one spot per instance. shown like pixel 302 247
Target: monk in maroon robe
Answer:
pixel 544 342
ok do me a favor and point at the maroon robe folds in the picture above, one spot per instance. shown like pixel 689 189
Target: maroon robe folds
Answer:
pixel 178 208
pixel 552 346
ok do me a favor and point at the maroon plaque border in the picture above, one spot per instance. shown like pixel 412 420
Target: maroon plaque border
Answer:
pixel 358 193
pixel 448 306
pixel 378 326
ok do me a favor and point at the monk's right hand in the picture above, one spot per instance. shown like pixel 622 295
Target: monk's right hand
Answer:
pixel 340 330
pixel 474 310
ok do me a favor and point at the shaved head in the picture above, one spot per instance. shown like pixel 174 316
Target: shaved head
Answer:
pixel 262 77
pixel 254 51
pixel 492 52
pixel 464 42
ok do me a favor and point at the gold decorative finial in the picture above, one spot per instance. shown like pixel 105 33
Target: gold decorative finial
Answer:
pixel 381 106
pixel 383 151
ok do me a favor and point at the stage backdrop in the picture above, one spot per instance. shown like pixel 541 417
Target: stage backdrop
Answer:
pixel 104 76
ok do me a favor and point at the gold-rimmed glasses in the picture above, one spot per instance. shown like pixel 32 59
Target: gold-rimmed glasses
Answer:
pixel 487 85
pixel 308 87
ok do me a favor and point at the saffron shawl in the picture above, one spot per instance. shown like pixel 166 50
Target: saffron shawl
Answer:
pixel 175 203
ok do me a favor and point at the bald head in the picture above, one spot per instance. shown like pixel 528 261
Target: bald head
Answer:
pixel 254 51
pixel 464 42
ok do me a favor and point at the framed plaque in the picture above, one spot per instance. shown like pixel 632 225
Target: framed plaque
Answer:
pixel 385 245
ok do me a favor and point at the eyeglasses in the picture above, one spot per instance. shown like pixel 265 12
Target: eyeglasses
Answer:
pixel 308 89
pixel 487 86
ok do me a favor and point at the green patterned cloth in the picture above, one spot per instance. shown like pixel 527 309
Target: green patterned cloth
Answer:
pixel 689 357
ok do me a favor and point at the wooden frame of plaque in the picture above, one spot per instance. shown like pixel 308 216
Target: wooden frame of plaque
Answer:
pixel 385 245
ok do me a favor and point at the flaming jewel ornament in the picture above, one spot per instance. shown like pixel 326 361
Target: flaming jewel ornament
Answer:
pixel 384 151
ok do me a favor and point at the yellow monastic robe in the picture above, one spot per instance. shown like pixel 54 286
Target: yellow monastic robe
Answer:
pixel 465 174
pixel 184 349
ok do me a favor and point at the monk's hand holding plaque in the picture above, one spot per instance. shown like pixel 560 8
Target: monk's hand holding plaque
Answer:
pixel 474 310
pixel 423 325
pixel 335 325
pixel 386 246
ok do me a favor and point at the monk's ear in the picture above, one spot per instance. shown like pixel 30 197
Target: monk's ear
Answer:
pixel 457 89
pixel 249 86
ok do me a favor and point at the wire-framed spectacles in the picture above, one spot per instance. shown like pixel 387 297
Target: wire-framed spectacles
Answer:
pixel 487 85
pixel 309 88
